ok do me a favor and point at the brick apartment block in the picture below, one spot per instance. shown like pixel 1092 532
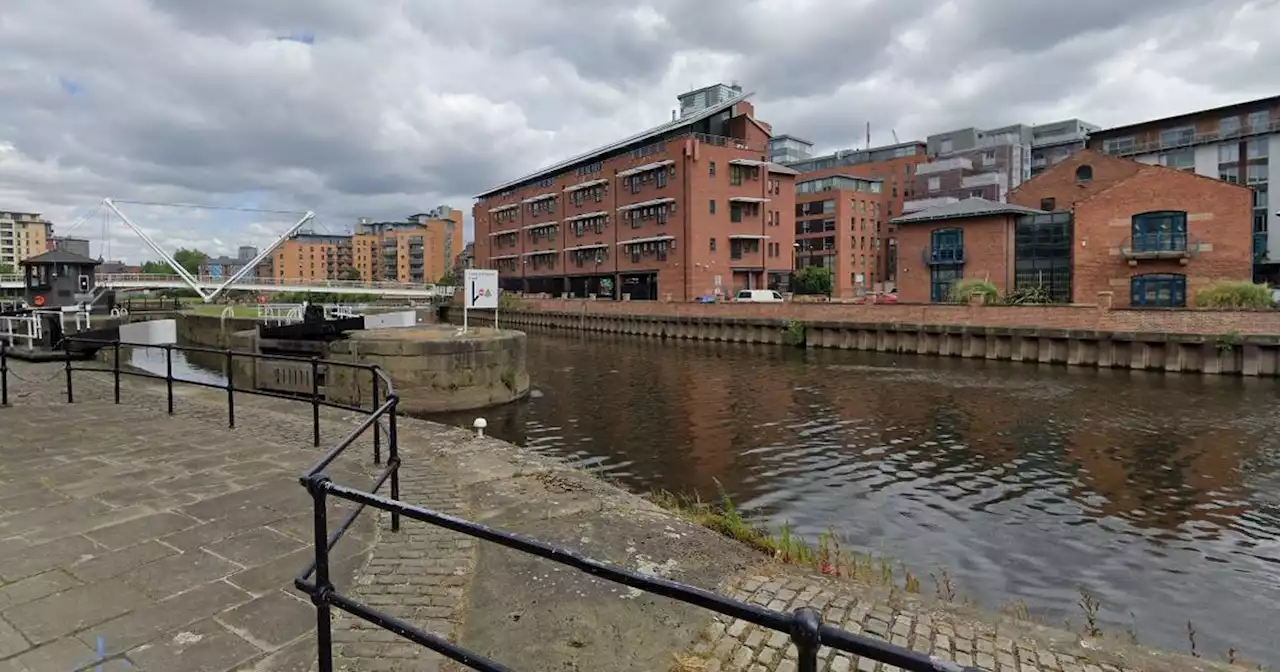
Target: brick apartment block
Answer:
pixel 1149 235
pixel 687 209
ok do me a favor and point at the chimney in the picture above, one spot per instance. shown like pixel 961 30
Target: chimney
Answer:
pixel 673 115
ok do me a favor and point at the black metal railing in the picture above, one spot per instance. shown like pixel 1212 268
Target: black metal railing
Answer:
pixel 1158 244
pixel 4 374
pixel 804 625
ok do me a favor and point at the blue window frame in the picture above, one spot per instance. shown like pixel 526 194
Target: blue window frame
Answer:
pixel 941 279
pixel 1158 290
pixel 946 246
pixel 1164 231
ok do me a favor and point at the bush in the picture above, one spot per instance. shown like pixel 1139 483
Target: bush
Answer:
pixel 1235 294
pixel 963 290
pixel 813 280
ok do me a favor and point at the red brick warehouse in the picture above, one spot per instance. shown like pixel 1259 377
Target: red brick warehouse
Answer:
pixel 1093 227
pixel 687 209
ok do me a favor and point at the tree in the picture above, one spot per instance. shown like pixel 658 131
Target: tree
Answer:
pixel 448 279
pixel 349 274
pixel 189 260
pixel 813 280
pixel 6 269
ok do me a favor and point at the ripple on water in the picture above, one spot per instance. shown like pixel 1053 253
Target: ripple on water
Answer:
pixel 1159 493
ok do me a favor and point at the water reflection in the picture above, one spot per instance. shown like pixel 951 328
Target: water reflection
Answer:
pixel 1161 493
pixel 188 366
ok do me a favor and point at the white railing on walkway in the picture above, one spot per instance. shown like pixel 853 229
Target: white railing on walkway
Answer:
pixel 21 328
pixel 168 281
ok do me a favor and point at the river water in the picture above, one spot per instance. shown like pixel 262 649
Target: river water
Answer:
pixel 1159 493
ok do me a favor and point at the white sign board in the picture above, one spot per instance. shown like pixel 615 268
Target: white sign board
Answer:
pixel 480 287
pixel 405 318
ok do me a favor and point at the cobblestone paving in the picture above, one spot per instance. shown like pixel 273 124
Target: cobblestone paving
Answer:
pixel 134 540
pixel 732 644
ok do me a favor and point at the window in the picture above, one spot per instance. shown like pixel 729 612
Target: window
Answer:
pixel 1229 174
pixel 1183 159
pixel 1257 149
pixel 1160 232
pixel 713 244
pixel 1229 126
pixel 713 206
pixel 935 184
pixel 1176 137
pixel 1229 152
pixel 1042 255
pixel 946 246
pixel 941 279
pixel 1256 173
pixel 1158 290
pixel 711 168
pixel 1084 174
pixel 1048 204
pixel 1260 120
pixel 1119 145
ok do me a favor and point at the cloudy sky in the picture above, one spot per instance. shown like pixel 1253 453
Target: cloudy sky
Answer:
pixel 384 108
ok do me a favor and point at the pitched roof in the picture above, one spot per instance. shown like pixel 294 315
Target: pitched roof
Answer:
pixel 639 137
pixel 969 207
pixel 781 169
pixel 59 257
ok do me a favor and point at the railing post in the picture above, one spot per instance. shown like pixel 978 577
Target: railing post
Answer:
pixel 231 389
pixel 805 635
pixel 66 357
pixel 393 458
pixel 324 637
pixel 115 369
pixel 377 430
pixel 168 374
pixel 4 375
pixel 315 401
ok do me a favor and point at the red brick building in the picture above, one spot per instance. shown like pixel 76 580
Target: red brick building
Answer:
pixel 840 225
pixel 690 208
pixel 1093 224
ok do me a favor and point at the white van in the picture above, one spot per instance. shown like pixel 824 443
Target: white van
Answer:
pixel 758 296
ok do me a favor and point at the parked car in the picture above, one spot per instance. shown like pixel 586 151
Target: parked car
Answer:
pixel 758 296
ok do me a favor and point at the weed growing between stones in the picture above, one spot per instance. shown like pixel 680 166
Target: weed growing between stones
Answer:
pixel 829 558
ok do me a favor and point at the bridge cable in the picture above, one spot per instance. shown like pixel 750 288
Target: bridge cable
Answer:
pixel 211 207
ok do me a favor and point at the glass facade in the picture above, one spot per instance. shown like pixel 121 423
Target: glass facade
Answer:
pixel 1042 255
pixel 1158 290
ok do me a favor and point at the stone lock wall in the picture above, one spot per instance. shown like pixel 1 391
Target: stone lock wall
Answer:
pixel 432 369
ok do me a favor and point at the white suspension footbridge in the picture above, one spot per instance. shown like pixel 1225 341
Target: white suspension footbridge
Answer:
pixel 209 287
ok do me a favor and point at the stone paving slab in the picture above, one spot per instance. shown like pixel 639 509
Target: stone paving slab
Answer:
pixel 134 540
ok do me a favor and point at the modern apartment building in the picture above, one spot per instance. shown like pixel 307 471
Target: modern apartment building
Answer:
pixel 893 166
pixel 224 267
pixel 1052 143
pixel 687 209
pixel 419 250
pixel 22 235
pixel 1092 228
pixel 788 149
pixel 840 226
pixel 1235 143
pixel 972 163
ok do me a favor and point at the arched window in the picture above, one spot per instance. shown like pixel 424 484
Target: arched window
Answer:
pixel 1158 290
pixel 1163 231
pixel 1084 173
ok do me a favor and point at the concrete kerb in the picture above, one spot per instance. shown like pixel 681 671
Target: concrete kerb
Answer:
pixel 533 614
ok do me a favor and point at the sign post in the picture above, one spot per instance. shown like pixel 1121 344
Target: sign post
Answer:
pixel 480 287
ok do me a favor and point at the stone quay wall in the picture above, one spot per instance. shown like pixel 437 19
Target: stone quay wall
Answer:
pixel 1195 341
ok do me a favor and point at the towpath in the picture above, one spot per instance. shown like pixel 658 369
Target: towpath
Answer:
pixel 130 539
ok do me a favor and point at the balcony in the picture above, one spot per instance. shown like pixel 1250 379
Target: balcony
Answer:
pixel 1153 146
pixel 1260 246
pixel 1159 245
pixel 942 256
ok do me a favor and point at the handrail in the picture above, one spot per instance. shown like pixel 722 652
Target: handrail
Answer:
pixel 804 625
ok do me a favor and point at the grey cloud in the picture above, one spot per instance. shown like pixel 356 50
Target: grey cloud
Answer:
pixel 402 105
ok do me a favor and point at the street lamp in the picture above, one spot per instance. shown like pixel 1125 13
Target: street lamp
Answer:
pixel 795 253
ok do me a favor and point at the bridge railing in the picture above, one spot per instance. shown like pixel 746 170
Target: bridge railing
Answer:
pixel 302 283
pixel 804 625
